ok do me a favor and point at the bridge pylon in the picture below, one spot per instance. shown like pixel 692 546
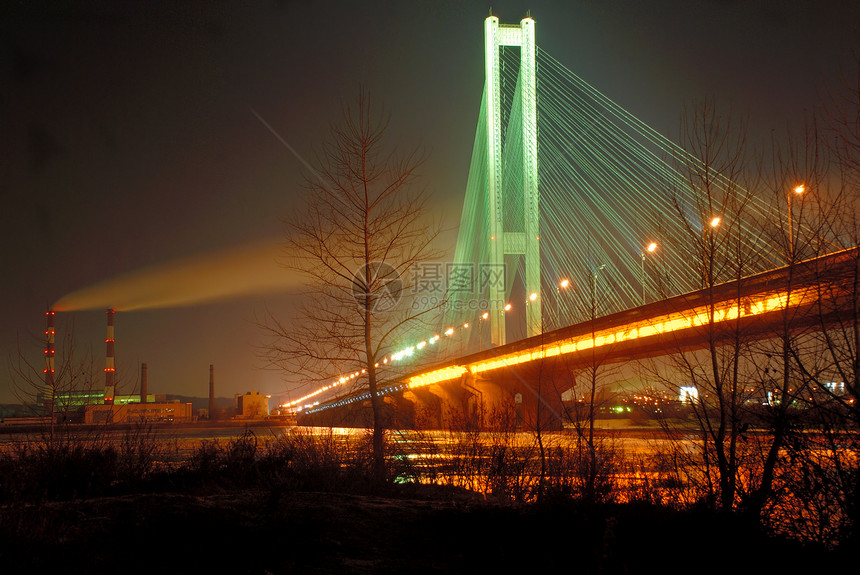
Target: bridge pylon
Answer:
pixel 525 240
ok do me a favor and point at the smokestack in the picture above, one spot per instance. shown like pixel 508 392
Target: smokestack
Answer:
pixel 211 391
pixel 110 367
pixel 143 383
pixel 49 360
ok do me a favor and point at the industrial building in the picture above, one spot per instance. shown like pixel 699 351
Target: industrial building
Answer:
pixel 252 405
pixel 74 400
pixel 167 412
pixel 99 406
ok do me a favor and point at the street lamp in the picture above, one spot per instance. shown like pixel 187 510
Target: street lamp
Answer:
pixel 715 221
pixel 485 316
pixel 563 284
pixel 594 275
pixel 798 190
pixel 650 249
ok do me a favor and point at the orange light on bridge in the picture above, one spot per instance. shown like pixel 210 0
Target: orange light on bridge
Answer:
pixel 444 374
pixel 695 317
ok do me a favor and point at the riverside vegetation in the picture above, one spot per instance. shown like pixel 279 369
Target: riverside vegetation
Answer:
pixel 310 501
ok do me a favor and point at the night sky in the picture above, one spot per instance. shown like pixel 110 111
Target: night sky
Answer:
pixel 133 137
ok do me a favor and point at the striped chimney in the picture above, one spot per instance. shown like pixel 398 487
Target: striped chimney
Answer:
pixel 110 367
pixel 49 356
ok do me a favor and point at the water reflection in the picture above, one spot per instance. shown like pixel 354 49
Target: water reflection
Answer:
pixel 810 492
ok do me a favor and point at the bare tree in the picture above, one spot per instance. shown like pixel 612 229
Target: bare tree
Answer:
pixel 594 454
pixel 49 387
pixel 715 378
pixel 828 489
pixel 750 396
pixel 363 227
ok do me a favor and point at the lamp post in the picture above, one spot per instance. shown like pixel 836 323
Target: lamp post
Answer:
pixel 709 248
pixel 563 284
pixel 650 249
pixel 448 333
pixel 532 300
pixel 798 190
pixel 485 316
pixel 594 274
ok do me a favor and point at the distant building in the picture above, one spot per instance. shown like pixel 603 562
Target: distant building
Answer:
pixel 73 400
pixel 167 412
pixel 252 404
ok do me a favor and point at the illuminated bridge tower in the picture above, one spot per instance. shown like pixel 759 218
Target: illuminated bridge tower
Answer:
pixel 502 241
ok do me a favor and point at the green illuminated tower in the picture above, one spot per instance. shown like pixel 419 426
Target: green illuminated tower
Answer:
pixel 502 241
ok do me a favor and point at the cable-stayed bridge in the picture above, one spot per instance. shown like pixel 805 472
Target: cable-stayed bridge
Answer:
pixel 576 214
pixel 565 184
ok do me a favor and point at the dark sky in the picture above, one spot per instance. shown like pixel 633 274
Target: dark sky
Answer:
pixel 129 138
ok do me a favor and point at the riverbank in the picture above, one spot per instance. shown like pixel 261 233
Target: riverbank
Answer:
pixel 405 529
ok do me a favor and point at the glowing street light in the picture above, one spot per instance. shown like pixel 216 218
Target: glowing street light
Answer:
pixel 532 296
pixel 715 221
pixel 650 249
pixel 508 307
pixel 563 284
pixel 798 190
pixel 484 316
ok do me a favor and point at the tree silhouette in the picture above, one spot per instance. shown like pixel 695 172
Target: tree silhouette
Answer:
pixel 362 228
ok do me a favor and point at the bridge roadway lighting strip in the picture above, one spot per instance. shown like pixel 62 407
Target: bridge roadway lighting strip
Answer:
pixel 344 379
pixel 696 317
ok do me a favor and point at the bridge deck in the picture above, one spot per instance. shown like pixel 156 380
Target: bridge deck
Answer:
pixel 755 307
